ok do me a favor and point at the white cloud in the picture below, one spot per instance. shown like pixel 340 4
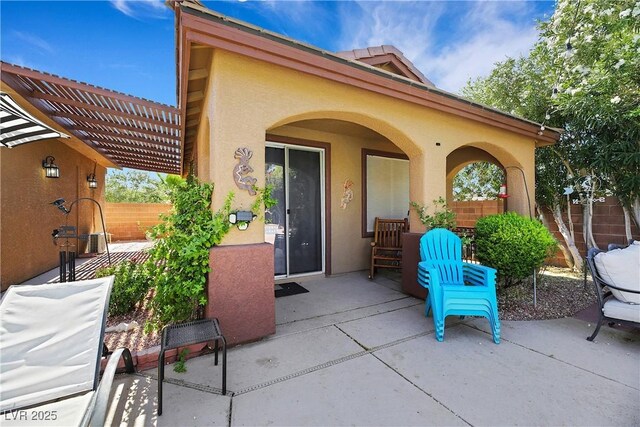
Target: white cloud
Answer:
pixel 407 26
pixel 20 61
pixel 284 15
pixel 142 8
pixel 492 37
pixel 486 33
pixel 34 41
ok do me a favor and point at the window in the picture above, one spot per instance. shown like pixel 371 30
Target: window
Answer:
pixel 385 187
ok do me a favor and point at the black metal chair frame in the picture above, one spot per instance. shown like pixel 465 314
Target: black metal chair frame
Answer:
pixel 604 294
pixel 184 334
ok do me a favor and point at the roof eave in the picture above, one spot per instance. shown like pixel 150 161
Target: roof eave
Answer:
pixel 207 27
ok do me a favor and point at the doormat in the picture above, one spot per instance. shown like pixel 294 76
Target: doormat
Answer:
pixel 289 288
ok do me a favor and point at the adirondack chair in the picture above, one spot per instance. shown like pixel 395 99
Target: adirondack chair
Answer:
pixel 386 248
pixel 455 287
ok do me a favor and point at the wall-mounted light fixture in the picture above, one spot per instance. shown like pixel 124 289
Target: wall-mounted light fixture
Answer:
pixel 50 168
pixel 241 219
pixel 91 179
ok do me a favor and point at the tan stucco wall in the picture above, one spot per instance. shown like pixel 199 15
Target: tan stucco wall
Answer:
pixel 248 99
pixel 26 217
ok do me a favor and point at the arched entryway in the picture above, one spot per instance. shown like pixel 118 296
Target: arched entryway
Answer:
pixel 321 171
pixel 510 173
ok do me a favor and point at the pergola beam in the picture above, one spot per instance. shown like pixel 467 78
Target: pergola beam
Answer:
pixel 120 126
pixel 172 144
pixel 102 110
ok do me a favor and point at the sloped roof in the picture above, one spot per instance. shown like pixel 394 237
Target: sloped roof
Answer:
pixel 196 25
pixel 387 55
pixel 132 132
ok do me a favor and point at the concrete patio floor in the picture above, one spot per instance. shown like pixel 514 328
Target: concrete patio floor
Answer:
pixel 356 352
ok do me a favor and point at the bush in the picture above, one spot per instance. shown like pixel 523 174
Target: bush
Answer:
pixel 443 216
pixel 513 244
pixel 180 256
pixel 130 286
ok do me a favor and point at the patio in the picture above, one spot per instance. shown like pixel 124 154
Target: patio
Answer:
pixel 357 352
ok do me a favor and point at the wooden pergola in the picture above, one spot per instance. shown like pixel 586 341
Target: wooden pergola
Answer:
pixel 132 132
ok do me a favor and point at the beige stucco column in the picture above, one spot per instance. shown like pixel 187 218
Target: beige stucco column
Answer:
pixel 427 182
pixel 241 282
pixel 521 189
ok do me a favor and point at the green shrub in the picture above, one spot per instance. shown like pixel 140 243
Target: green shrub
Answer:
pixel 130 286
pixel 180 256
pixel 442 217
pixel 513 244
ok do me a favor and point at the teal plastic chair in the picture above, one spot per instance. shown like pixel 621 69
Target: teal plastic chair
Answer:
pixel 455 287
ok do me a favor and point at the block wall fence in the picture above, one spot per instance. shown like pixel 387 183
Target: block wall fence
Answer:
pixel 467 213
pixel 129 221
pixel 608 222
pixel 608 226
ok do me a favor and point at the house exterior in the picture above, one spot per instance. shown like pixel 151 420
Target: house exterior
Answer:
pixel 341 138
pixel 337 135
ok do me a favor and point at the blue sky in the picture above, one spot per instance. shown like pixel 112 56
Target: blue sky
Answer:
pixel 129 45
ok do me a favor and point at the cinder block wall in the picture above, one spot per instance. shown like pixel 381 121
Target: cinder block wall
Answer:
pixel 129 221
pixel 608 222
pixel 467 213
pixel 608 226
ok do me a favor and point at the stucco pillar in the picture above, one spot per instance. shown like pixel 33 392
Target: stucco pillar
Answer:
pixel 241 291
pixel 427 181
pixel 241 283
pixel 521 190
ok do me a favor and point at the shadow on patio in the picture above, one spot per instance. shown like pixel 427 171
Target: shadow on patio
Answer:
pixel 356 352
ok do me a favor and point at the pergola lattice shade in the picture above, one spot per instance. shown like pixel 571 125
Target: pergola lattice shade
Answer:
pixel 131 131
pixel 19 127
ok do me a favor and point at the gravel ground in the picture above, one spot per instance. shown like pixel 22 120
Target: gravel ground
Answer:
pixel 136 339
pixel 560 293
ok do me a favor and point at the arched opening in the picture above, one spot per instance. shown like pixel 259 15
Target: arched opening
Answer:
pixel 331 178
pixel 474 176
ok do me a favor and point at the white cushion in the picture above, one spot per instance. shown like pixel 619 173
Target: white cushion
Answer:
pixel 622 310
pixel 621 268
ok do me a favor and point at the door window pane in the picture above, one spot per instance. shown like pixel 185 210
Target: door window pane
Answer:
pixel 275 219
pixel 305 218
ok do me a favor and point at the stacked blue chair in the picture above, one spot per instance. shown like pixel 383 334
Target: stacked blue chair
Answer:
pixel 455 287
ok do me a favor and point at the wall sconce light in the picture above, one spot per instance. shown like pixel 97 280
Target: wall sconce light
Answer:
pixel 91 179
pixel 241 219
pixel 50 168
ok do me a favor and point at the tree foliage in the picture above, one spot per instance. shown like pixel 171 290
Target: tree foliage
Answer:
pixel 479 180
pixel 598 83
pixel 582 75
pixel 133 186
